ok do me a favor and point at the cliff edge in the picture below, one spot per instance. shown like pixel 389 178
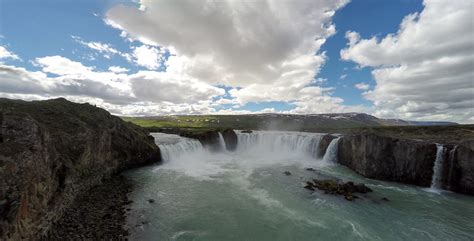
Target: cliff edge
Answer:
pixel 52 151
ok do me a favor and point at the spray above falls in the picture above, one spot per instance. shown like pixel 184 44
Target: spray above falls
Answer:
pixel 174 146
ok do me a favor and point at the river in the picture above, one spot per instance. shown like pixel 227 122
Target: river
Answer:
pixel 197 194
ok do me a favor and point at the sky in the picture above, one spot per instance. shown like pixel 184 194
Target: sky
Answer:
pixel 407 59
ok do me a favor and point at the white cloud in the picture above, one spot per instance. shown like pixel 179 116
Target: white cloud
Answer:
pixel 266 50
pixel 425 70
pixel 343 76
pixel 106 49
pixel 115 90
pixel 165 87
pixel 5 54
pixel 61 66
pixel 362 86
pixel 148 57
pixel 118 69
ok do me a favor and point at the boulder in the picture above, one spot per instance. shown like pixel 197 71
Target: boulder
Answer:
pixel 335 187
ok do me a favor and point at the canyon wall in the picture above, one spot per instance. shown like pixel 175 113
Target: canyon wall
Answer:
pixel 408 161
pixel 403 160
pixel 52 151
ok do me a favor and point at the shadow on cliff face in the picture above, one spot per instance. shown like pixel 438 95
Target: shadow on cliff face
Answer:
pixel 55 150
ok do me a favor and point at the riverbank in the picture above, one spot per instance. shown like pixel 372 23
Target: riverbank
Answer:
pixel 99 214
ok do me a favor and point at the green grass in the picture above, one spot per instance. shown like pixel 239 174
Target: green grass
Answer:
pixel 442 134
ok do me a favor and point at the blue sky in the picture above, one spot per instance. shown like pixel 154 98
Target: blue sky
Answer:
pixel 32 30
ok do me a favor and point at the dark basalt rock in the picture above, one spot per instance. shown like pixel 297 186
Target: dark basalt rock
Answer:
pixel 208 138
pixel 247 131
pixel 323 145
pixel 385 158
pixel 408 161
pixel 230 139
pixel 459 171
pixel 287 173
pixel 53 151
pixel 100 214
pixel 338 188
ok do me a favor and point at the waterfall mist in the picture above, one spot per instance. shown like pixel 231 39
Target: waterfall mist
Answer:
pixel 254 150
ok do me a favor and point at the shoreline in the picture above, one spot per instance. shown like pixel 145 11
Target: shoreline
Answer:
pixel 98 214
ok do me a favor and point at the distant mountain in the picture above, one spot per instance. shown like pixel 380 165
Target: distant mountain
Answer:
pixel 311 122
pixel 400 122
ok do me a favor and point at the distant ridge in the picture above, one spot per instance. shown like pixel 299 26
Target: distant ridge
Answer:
pixel 309 122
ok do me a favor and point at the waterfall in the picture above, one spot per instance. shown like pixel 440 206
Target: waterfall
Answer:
pixel 451 165
pixel 221 142
pixel 268 144
pixel 436 180
pixel 331 153
pixel 174 146
pixel 272 142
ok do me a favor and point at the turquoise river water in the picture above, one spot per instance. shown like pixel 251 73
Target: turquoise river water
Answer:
pixel 244 195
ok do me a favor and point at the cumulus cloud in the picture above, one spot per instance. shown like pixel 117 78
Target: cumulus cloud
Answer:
pixel 115 90
pixel 425 70
pixel 362 86
pixel 265 50
pixel 6 54
pixel 148 57
pixel 118 69
pixel 161 86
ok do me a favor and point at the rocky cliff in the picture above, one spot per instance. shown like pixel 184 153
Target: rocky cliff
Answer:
pixel 459 170
pixel 52 151
pixel 323 146
pixel 385 158
pixel 230 139
pixel 408 161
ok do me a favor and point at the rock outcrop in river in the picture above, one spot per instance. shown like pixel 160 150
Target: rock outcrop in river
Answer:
pixel 52 151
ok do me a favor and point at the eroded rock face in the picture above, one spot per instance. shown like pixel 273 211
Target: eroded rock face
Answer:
pixel 460 177
pixel 51 151
pixel 385 158
pixel 323 145
pixel 209 139
pixel 230 139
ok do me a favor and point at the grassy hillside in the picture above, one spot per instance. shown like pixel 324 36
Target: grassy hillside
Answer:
pixel 262 121
pixel 351 123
